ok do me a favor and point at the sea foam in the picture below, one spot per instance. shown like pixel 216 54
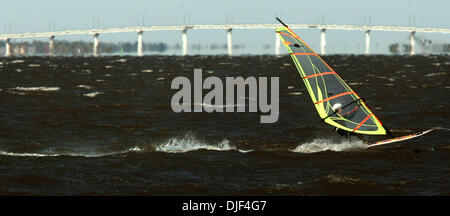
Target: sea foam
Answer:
pixel 191 143
pixel 321 144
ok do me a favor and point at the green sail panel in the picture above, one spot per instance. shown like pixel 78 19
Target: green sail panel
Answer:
pixel 336 103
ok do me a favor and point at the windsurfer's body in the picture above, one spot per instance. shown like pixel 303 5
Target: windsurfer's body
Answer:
pixel 345 133
pixel 349 134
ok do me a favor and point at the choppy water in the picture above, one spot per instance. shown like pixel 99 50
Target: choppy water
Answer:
pixel 74 126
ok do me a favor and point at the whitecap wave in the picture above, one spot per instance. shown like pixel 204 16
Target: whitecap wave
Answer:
pixel 42 88
pixel 172 145
pixel 17 61
pixel 92 94
pixel 85 86
pixel 72 153
pixel 191 143
pixel 16 93
pixel 436 74
pixel 121 60
pixel 295 93
pixel 355 83
pixel 27 154
pixel 321 144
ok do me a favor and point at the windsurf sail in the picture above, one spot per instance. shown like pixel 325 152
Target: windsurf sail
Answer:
pixel 336 103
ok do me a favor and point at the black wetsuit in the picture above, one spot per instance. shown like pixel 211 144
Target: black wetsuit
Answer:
pixel 348 134
pixel 341 132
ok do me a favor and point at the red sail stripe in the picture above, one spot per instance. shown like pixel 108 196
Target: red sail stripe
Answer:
pixel 362 122
pixel 339 95
pixel 288 35
pixel 319 74
pixel 353 110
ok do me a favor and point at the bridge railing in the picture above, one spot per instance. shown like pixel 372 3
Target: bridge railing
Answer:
pixel 228 27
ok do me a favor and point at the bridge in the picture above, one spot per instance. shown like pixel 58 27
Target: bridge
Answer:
pixel 184 28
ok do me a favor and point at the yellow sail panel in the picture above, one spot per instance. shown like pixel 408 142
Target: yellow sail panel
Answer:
pixel 336 103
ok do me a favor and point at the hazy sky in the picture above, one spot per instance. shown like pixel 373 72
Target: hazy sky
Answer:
pixel 38 16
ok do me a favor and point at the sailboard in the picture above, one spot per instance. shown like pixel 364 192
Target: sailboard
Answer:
pixel 398 139
pixel 336 103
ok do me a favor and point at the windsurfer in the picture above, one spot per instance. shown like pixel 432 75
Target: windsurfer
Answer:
pixel 341 132
pixel 338 107
pixel 349 134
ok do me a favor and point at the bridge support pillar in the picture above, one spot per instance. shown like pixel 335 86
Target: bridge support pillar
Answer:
pixel 323 41
pixel 229 42
pixel 95 51
pixel 367 42
pixel 51 46
pixel 277 44
pixel 8 47
pixel 140 46
pixel 412 42
pixel 184 40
